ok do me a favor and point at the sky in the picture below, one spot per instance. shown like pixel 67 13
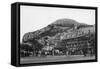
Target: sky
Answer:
pixel 34 18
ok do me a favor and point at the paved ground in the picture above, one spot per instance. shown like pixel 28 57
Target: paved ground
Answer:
pixel 54 59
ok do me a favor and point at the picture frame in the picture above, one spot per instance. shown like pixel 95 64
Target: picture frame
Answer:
pixel 61 45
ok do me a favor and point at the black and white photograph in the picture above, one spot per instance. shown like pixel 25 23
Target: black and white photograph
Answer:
pixel 46 34
pixel 50 34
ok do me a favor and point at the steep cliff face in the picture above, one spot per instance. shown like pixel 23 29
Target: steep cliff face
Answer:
pixel 60 29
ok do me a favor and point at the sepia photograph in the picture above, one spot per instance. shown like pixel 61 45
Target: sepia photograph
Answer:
pixel 49 34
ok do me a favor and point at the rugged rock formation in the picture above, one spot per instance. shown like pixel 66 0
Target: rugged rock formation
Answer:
pixel 62 29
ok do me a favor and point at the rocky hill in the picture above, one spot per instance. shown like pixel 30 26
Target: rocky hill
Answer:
pixel 60 29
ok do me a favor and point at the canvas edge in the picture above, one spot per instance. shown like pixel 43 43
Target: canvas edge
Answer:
pixel 14 35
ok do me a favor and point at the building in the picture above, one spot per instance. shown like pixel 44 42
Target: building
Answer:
pixel 84 45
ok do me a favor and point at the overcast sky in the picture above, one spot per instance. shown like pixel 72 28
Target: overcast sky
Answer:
pixel 34 18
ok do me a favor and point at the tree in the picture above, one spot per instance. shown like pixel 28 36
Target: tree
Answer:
pixel 36 46
pixel 25 49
